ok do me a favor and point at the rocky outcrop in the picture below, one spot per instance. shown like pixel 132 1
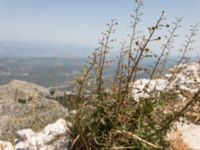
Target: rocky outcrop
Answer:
pixel 184 77
pixel 22 90
pixel 140 89
pixel 55 136
pixel 25 105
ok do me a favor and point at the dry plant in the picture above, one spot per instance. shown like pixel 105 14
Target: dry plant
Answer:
pixel 112 119
pixel 186 47
pixel 33 105
pixel 15 98
pixel 166 47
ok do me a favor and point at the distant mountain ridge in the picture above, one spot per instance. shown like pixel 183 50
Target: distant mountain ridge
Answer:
pixel 38 49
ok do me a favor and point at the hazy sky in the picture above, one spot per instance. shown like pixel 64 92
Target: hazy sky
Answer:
pixel 81 21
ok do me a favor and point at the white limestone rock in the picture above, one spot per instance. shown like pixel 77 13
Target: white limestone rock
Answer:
pixel 187 79
pixel 53 136
pixel 25 134
pixel 140 89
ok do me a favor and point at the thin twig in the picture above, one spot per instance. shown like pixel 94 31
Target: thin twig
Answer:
pixel 139 138
pixel 122 147
pixel 74 141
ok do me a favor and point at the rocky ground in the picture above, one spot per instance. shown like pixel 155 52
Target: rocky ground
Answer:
pixel 25 105
pixel 53 137
pixel 35 104
pixel 184 77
